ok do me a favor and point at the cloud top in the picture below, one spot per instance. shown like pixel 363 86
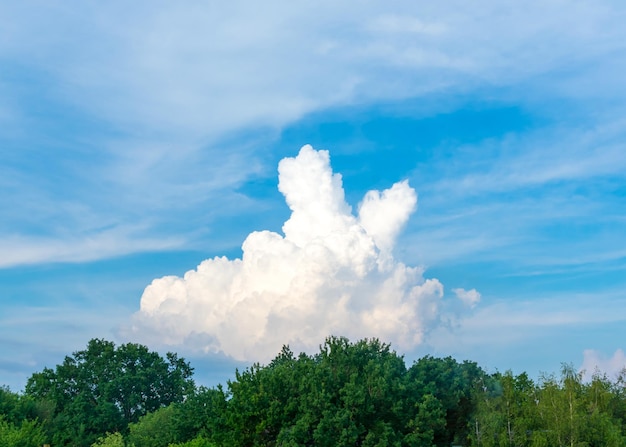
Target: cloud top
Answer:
pixel 331 273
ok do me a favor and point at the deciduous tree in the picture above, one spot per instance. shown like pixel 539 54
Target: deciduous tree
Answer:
pixel 104 388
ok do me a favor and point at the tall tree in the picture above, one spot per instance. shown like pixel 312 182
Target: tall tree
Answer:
pixel 506 413
pixel 452 384
pixel 104 388
pixel 348 394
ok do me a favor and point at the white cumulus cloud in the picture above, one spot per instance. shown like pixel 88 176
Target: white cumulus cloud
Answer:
pixel 469 297
pixel 331 273
pixel 594 361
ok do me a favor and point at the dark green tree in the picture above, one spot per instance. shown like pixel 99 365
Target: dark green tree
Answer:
pixel 362 393
pixel 348 394
pixel 453 385
pixel 104 388
pixel 429 418
pixel 10 406
pixel 202 414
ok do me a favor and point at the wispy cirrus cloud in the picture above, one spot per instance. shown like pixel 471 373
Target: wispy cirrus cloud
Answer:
pixel 156 66
pixel 560 186
pixel 19 250
pixel 155 90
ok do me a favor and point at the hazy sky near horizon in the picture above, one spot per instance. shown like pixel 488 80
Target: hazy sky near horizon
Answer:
pixel 464 191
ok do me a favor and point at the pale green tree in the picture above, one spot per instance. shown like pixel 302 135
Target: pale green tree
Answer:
pixel 110 440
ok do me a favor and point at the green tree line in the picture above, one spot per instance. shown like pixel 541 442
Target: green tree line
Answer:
pixel 347 394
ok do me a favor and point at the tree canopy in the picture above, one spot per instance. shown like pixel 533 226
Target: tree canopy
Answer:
pixel 347 394
pixel 104 388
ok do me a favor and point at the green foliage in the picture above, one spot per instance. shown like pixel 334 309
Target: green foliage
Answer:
pixel 348 394
pixel 558 411
pixel 505 411
pixel 10 405
pixel 110 440
pixel 361 387
pixel 202 414
pixel 453 385
pixel 196 442
pixel 156 429
pixel 105 388
pixel 16 407
pixel 25 434
pixel 429 419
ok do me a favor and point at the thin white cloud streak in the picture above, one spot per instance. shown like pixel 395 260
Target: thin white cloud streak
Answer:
pixel 540 158
pixel 127 202
pixel 161 176
pixel 459 230
pixel 519 320
pixel 331 273
pixel 488 208
pixel 20 250
pixel 397 24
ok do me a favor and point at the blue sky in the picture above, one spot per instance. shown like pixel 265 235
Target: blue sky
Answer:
pixel 138 141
